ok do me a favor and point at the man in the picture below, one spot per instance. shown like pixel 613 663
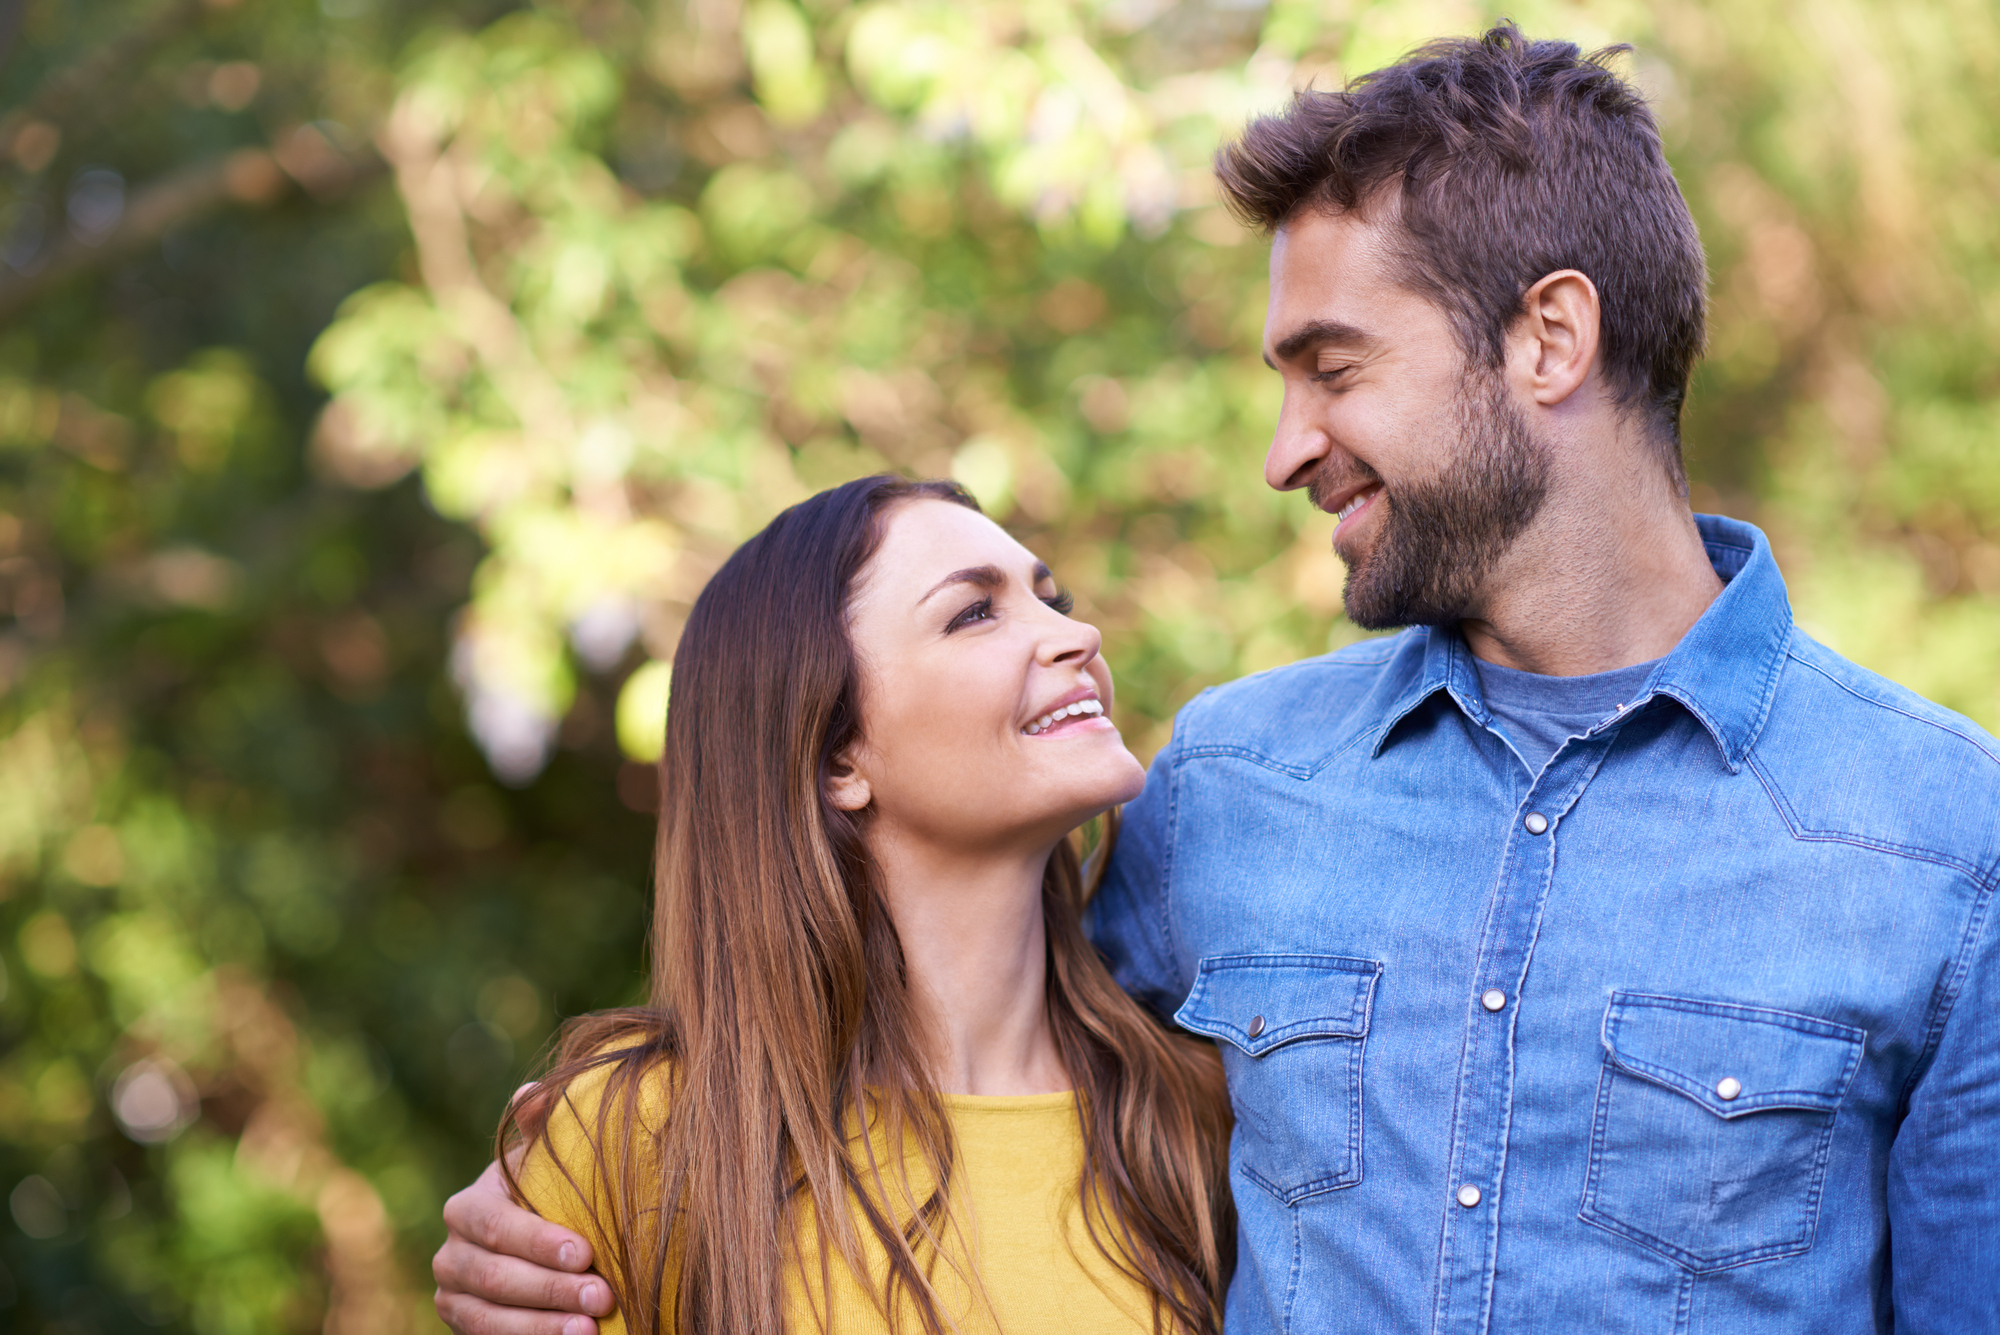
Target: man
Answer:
pixel 1601 954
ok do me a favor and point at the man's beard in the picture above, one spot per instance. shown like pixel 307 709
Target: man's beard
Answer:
pixel 1441 537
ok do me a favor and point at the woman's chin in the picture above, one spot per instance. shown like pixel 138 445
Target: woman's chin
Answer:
pixel 1115 786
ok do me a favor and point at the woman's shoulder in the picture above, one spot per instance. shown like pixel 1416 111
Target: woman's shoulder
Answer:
pixel 590 1132
pixel 596 1113
pixel 626 1083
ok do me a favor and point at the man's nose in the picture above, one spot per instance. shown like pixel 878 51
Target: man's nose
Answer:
pixel 1297 446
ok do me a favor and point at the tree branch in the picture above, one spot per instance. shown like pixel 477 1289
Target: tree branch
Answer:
pixel 249 176
pixel 426 178
pixel 61 92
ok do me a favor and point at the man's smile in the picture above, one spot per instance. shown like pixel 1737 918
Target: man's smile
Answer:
pixel 1358 501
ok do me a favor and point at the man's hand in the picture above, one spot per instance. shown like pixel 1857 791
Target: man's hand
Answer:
pixel 505 1271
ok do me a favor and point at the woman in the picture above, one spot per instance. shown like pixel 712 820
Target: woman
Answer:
pixel 885 1083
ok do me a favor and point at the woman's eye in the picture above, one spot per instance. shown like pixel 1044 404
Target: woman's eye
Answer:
pixel 979 611
pixel 1061 601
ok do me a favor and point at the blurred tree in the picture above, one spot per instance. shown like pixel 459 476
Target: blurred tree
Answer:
pixel 381 382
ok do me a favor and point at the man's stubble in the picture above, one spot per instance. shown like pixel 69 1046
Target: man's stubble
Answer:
pixel 1442 536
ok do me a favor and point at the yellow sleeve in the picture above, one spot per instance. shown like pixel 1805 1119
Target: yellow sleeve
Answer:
pixel 563 1178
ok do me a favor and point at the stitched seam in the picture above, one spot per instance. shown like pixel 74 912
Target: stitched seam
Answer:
pixel 1298 1261
pixel 1804 1024
pixel 1960 970
pixel 1232 751
pixel 1674 1080
pixel 1716 732
pixel 1354 1063
pixel 1587 1206
pixel 1782 656
pixel 1289 1196
pixel 1257 1047
pixel 1462 1093
pixel 1228 751
pixel 1949 731
pixel 1688 1260
pixel 1292 960
pixel 1810 1232
pixel 1806 834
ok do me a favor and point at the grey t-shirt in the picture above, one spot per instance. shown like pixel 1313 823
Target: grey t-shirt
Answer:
pixel 1539 713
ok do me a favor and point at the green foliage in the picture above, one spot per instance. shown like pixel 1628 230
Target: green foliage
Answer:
pixel 356 477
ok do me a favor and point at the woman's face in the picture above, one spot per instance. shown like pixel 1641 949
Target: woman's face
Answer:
pixel 985 710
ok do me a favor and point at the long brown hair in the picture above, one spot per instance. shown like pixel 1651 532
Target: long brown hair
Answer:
pixel 781 1018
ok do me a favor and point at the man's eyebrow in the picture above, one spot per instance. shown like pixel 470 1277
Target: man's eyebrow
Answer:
pixel 985 577
pixel 1311 334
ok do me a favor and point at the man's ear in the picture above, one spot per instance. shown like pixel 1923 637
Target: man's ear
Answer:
pixel 846 786
pixel 1553 344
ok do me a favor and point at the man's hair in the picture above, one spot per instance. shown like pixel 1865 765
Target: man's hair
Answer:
pixel 1515 159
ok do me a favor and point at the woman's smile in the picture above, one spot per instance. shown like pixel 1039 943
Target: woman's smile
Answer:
pixel 1075 710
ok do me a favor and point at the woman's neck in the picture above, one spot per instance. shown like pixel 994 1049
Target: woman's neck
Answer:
pixel 977 955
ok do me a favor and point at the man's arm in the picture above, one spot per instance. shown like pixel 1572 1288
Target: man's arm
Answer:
pixel 504 1270
pixel 1128 918
pixel 1944 1197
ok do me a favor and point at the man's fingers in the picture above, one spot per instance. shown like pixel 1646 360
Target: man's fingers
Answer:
pixel 485 1216
pixel 461 1268
pixel 468 1315
pixel 530 1106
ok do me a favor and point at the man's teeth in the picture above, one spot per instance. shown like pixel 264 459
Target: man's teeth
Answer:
pixel 1049 720
pixel 1357 503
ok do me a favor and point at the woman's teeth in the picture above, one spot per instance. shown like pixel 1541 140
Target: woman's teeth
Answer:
pixel 1049 720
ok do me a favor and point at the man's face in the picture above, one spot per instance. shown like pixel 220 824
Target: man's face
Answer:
pixel 1429 463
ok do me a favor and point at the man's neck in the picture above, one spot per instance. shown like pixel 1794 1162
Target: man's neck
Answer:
pixel 1606 580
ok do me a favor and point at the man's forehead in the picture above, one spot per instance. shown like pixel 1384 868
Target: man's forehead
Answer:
pixel 1331 275
pixel 1316 249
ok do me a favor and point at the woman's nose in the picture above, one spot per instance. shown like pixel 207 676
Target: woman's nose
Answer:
pixel 1072 644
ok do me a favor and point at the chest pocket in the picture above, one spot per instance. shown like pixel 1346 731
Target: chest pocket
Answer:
pixel 1712 1127
pixel 1291 1029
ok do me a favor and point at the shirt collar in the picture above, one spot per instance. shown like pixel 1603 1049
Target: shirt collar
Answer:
pixel 1724 671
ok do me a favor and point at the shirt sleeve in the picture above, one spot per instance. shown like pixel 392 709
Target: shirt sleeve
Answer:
pixel 1944 1192
pixel 1128 919
pixel 559 1176
pixel 562 1177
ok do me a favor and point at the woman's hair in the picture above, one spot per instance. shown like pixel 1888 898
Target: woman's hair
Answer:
pixel 781 1016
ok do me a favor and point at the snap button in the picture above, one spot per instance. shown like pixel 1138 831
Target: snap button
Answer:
pixel 1536 822
pixel 1728 1088
pixel 1256 1025
pixel 1468 1195
pixel 1493 999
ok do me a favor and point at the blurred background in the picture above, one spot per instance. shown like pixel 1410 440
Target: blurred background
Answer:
pixel 381 379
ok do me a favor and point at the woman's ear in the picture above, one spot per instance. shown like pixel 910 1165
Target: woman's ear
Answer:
pixel 846 786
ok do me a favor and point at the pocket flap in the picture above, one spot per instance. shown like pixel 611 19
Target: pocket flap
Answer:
pixel 1732 1059
pixel 1260 1002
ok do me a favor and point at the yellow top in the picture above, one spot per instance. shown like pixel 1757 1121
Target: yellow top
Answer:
pixel 1018 1162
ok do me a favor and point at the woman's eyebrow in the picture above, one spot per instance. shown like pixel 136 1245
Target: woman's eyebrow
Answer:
pixel 985 577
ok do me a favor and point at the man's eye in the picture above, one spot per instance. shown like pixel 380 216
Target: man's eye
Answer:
pixel 979 611
pixel 1061 601
pixel 1330 374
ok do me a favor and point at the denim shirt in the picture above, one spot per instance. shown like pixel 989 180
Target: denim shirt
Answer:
pixel 1695 1030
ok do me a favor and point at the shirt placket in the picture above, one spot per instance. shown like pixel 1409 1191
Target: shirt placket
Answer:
pixel 1483 1102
